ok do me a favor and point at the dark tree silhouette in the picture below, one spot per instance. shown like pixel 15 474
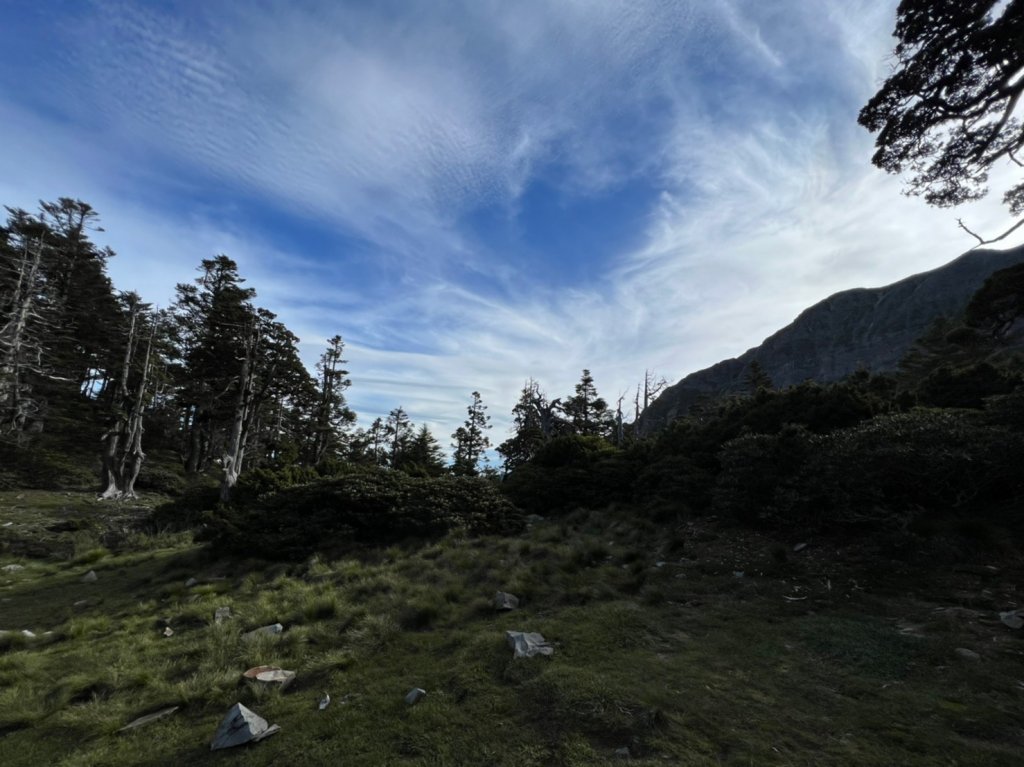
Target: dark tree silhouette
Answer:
pixel 951 109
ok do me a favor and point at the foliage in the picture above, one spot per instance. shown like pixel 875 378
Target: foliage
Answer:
pixel 470 440
pixel 362 506
pixel 948 112
pixel 887 472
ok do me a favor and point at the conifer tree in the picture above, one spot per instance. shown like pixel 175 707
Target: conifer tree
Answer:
pixel 470 440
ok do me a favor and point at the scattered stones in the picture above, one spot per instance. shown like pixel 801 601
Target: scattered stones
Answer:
pixel 800 547
pixel 191 582
pixel 271 630
pixel 324 701
pixel 221 614
pixel 966 654
pixel 240 726
pixel 527 644
pixel 271 676
pixel 1014 618
pixel 90 577
pixel 12 568
pixel 504 601
pixel 415 695
pixel 142 721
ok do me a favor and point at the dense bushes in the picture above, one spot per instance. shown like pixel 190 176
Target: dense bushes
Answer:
pixel 570 472
pixel 887 472
pixel 364 505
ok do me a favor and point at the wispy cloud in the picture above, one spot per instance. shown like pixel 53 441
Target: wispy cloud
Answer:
pixel 385 129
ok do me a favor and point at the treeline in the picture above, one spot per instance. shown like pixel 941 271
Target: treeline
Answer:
pixel 942 438
pixel 214 382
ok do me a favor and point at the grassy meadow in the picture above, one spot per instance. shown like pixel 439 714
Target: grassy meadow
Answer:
pixel 688 644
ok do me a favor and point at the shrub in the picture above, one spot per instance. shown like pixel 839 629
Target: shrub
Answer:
pixel 365 505
pixel 885 473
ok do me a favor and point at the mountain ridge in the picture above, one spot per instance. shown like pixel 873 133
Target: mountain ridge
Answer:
pixel 853 329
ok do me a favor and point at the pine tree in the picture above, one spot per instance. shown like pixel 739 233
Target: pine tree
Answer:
pixel 587 412
pixel 470 440
pixel 423 456
pixel 399 432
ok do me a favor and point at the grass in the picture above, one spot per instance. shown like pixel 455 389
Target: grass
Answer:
pixel 660 648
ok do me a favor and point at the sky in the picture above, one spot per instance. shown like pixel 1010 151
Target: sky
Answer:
pixel 475 192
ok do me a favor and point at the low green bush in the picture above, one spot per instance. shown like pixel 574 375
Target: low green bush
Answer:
pixel 365 505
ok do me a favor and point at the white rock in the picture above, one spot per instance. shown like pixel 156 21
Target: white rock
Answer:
pixel 90 577
pixel 526 644
pixel 325 701
pixel 28 634
pixel 272 629
pixel 505 601
pixel 12 568
pixel 240 726
pixel 966 654
pixel 277 677
pixel 168 631
pixel 415 696
pixel 1014 618
pixel 221 614
pixel 191 582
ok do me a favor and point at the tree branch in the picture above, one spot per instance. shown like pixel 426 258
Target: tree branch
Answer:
pixel 981 240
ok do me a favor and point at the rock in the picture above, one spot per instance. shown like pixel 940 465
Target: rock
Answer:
pixel 272 629
pixel 415 696
pixel 800 547
pixel 324 701
pixel 12 568
pixel 622 753
pixel 966 654
pixel 738 573
pixel 28 634
pixel 148 719
pixel 90 577
pixel 1014 618
pixel 505 601
pixel 81 604
pixel 527 644
pixel 532 519
pixel 271 676
pixel 240 726
pixel 660 563
pixel 221 614
pixel 191 582
pixel 168 631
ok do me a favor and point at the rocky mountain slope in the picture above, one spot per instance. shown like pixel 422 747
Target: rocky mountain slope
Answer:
pixel 863 328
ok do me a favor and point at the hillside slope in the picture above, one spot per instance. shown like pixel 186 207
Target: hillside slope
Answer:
pixel 862 328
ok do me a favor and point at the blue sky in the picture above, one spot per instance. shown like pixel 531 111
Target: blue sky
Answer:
pixel 477 192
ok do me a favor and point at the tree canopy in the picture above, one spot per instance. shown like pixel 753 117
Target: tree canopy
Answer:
pixel 951 109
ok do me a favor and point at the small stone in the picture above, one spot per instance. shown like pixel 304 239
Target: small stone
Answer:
pixel 271 676
pixel 325 701
pixel 415 696
pixel 271 630
pixel 966 654
pixel 12 568
pixel 168 631
pixel 526 644
pixel 239 726
pixel 191 582
pixel 738 573
pixel 28 634
pixel 90 577
pixel 504 601
pixel 800 547
pixel 81 604
pixel 221 614
pixel 622 753
pixel 660 563
pixel 148 719
pixel 1014 618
